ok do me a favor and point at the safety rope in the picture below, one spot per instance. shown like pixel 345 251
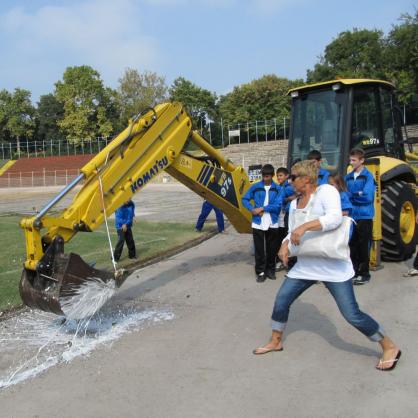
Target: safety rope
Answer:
pixel 107 226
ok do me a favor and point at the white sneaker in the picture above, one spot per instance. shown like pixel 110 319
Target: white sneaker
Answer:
pixel 280 267
pixel 411 272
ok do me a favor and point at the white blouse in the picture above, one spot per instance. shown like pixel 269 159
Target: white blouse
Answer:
pixel 327 206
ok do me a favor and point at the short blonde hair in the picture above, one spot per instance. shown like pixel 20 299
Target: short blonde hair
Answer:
pixel 307 168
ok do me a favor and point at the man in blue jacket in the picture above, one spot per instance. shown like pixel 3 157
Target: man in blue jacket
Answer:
pixel 323 174
pixel 361 189
pixel 124 217
pixel 264 200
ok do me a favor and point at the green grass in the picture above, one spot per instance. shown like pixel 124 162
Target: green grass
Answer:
pixel 151 239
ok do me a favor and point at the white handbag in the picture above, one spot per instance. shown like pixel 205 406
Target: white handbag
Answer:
pixel 325 244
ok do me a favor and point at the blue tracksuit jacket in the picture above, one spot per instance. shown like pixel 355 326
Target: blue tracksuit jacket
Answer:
pixel 345 203
pixel 287 190
pixel 322 176
pixel 361 193
pixel 125 215
pixel 257 194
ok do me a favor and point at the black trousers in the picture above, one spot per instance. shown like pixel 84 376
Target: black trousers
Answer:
pixel 266 246
pixel 281 235
pixel 360 246
pixel 416 262
pixel 292 260
pixel 122 237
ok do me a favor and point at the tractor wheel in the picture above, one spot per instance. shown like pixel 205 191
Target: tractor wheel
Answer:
pixel 398 221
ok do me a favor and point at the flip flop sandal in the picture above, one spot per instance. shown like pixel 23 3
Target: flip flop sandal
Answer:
pixel 265 350
pixel 394 361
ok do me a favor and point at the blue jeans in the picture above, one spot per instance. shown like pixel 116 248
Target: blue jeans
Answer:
pixel 343 295
pixel 206 209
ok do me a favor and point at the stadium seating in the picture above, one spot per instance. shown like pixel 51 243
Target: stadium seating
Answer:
pixel 43 171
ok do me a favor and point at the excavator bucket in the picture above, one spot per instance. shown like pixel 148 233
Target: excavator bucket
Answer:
pixel 59 277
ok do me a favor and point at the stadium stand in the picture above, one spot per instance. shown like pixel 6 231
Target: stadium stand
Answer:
pixel 43 171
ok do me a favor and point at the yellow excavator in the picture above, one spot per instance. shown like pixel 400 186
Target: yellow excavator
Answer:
pixel 153 142
pixel 332 117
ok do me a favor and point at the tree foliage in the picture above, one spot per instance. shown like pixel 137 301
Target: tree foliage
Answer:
pixel 86 102
pixel 369 54
pixel 49 111
pixel 138 91
pixel 199 102
pixel 16 115
pixel 353 54
pixel 264 98
pixel 402 56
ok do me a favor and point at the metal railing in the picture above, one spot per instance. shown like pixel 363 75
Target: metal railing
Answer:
pixel 223 134
pixel 219 134
pixel 45 178
pixel 38 178
pixel 28 149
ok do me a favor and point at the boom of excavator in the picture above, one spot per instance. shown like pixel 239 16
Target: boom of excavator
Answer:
pixel 153 142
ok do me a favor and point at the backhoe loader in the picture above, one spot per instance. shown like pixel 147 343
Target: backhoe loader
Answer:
pixel 336 116
pixel 153 142
pixel 332 117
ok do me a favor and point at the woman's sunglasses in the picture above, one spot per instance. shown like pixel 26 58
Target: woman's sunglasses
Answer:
pixel 293 177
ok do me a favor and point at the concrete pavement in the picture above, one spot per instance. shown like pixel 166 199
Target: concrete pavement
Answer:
pixel 200 363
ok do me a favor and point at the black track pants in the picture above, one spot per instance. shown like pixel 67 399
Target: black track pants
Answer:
pixel 360 246
pixel 122 237
pixel 266 246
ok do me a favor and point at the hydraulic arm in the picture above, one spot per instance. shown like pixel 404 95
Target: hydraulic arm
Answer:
pixel 153 142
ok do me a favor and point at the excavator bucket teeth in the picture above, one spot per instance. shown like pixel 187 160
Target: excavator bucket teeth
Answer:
pixel 59 276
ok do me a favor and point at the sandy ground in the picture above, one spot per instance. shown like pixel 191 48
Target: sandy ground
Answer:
pixel 170 202
pixel 199 363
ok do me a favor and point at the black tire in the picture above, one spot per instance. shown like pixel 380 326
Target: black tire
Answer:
pixel 399 236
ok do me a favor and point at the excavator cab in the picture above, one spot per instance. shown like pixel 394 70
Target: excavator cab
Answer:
pixel 336 116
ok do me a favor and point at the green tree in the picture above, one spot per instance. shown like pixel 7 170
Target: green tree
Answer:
pixel 86 104
pixel 264 98
pixel 48 113
pixel 353 54
pixel 16 115
pixel 109 120
pixel 5 99
pixel 138 91
pixel 200 103
pixel 402 57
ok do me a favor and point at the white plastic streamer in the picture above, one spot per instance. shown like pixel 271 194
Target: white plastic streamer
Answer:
pixel 107 226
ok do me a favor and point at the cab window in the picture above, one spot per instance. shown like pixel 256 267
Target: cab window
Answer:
pixel 365 120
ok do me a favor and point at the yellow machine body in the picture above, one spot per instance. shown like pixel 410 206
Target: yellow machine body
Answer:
pixel 151 144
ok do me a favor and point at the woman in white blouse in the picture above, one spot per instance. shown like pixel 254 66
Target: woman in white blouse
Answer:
pixel 336 274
